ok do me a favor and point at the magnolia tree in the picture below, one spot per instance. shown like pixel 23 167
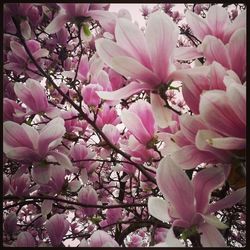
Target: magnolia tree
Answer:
pixel 120 136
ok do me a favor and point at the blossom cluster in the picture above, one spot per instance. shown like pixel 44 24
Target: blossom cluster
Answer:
pixel 120 136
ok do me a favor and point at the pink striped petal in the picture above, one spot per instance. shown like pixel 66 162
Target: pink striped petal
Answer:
pixel 237 52
pixel 217 74
pixel 228 201
pixel 188 157
pixel 210 236
pixel 187 53
pixel 198 25
pixel 50 135
pixel 125 92
pixel 57 227
pixel 176 187
pixel 129 67
pixel 210 46
pixel 131 38
pixel 161 41
pixel 218 20
pixel 135 125
pixel 215 110
pixel 237 96
pixel 204 183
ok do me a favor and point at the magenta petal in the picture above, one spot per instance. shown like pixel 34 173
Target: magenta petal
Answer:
pixel 228 201
pixel 124 92
pixel 177 188
pixel 57 227
pixel 210 236
pixel 204 183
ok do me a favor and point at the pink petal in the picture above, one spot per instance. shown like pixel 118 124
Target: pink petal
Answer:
pixel 211 45
pixel 164 26
pixel 188 157
pixel 57 23
pixel 15 136
pixel 108 49
pixel 52 132
pixel 158 208
pixel 162 115
pixel 210 236
pixel 239 22
pixel 129 67
pixel 198 25
pixel 105 18
pixel 25 239
pixel 41 53
pixel 84 67
pixel 144 111
pixel 237 96
pixel 187 53
pixel 112 133
pixel 18 49
pixel 125 92
pixel 62 159
pixel 101 239
pixel 228 201
pixel 217 74
pixel 41 174
pixel 176 187
pixel 57 227
pixel 237 52
pixel 190 125
pixel 131 38
pixel 218 20
pixel 228 143
pixel 204 183
pixel 215 110
pixel 135 125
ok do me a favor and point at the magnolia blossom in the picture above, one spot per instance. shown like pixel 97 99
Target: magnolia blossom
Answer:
pixel 187 202
pixel 18 59
pixel 140 56
pixel 57 226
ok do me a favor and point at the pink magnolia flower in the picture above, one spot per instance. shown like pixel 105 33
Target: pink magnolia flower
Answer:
pixel 13 111
pixel 19 185
pixel 102 239
pixel 112 133
pixel 24 143
pixel 90 96
pixel 217 132
pixel 88 196
pixel 217 23
pixel 186 202
pixel 140 56
pixel 18 59
pixel 139 120
pixel 57 227
pixel 25 239
pixel 232 55
pixel 107 115
pixel 32 94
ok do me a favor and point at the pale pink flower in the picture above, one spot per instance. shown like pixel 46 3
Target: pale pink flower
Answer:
pixel 217 23
pixel 57 227
pixel 140 56
pixel 102 239
pixel 32 94
pixel 187 202
pixel 19 61
pixel 89 94
pixel 139 120
pixel 88 196
pixel 112 133
pixel 13 111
